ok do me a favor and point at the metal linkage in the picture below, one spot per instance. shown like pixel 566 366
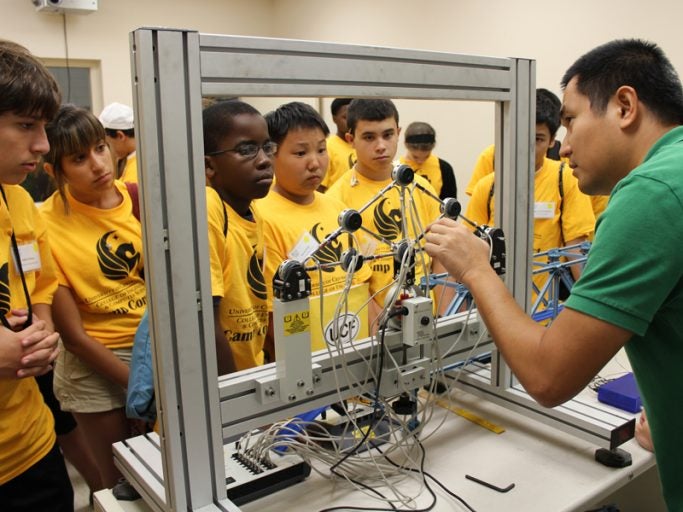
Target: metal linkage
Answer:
pixel 172 69
pixel 403 252
pixel 558 267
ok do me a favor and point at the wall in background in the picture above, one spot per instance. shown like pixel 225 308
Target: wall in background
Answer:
pixel 554 34
pixel 102 36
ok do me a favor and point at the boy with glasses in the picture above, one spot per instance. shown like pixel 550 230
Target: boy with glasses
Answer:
pixel 238 164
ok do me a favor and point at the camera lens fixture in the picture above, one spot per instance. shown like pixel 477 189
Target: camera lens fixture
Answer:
pixel 351 260
pixel 451 208
pixel 403 175
pixel 350 220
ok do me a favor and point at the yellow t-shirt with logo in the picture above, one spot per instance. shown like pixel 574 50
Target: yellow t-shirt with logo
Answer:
pixel 317 219
pixel 26 424
pixel 429 170
pixel 99 257
pixel 577 213
pixel 312 222
pixel 237 265
pixel 130 171
pixel 384 218
pixel 342 158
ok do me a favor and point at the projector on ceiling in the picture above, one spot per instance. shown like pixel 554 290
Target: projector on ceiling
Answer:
pixel 66 6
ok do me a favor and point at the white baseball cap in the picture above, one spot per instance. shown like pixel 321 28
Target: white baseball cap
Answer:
pixel 117 116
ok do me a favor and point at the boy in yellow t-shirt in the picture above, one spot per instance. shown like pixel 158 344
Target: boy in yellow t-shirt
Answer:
pixel 238 163
pixel 374 133
pixel 32 471
pixel 341 153
pixel 485 161
pixel 300 164
pixel 562 213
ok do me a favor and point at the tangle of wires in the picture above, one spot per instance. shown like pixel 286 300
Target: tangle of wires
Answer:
pixel 371 441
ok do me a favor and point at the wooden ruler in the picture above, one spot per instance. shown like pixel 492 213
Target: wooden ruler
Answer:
pixel 468 415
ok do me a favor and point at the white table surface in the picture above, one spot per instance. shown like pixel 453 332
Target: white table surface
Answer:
pixel 551 470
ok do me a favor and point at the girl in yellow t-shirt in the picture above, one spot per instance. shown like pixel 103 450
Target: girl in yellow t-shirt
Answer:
pixel 97 247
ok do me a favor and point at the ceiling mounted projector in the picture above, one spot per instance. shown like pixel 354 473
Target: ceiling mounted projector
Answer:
pixel 66 6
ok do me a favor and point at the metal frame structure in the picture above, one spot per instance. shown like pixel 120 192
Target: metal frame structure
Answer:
pixel 172 70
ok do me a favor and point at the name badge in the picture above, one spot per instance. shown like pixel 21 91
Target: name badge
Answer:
pixel 304 248
pixel 544 210
pixel 30 257
pixel 368 246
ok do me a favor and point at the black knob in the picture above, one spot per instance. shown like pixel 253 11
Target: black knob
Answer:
pixel 451 208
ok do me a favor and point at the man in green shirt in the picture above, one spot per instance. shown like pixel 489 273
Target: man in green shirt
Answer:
pixel 623 111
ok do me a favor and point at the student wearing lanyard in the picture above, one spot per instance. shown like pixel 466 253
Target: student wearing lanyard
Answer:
pixel 32 471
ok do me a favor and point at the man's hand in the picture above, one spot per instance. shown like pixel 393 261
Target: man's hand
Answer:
pixel 29 352
pixel 461 253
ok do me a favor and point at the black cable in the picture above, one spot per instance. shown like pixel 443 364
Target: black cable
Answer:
pixel 378 382
pixel 68 68
pixel 450 492
pixel 333 468
pixel 422 471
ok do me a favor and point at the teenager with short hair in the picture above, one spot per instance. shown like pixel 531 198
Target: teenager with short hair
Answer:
pixel 374 132
pixel 562 213
pixel 300 164
pixel 340 151
pixel 32 471
pixel 119 127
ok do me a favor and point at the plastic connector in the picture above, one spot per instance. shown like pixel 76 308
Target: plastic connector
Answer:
pixel 417 323
pixel 403 175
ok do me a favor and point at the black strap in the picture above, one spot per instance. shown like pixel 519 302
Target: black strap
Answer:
pixel 561 187
pixel 225 220
pixel 449 187
pixel 17 257
pixel 488 204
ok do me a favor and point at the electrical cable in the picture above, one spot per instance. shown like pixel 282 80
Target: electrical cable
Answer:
pixel 68 67
pixel 362 464
pixel 423 472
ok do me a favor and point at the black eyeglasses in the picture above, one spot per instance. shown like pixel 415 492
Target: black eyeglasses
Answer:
pixel 248 150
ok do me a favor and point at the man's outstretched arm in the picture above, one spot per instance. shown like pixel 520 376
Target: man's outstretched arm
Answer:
pixel 554 363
